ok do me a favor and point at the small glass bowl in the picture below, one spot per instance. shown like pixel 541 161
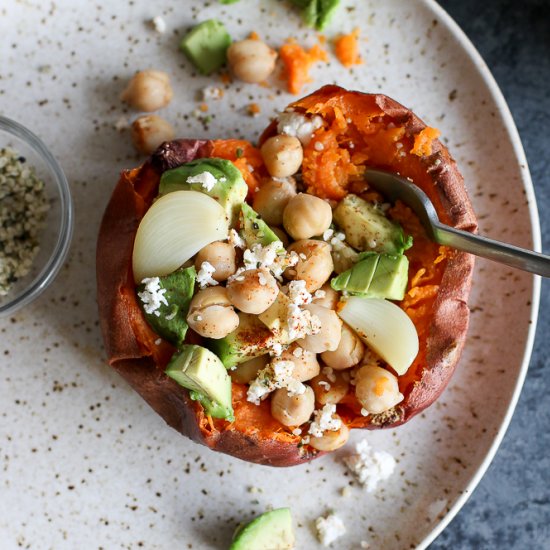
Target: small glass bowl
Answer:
pixel 55 236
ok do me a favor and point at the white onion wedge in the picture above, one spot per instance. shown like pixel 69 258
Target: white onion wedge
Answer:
pixel 173 230
pixel 385 328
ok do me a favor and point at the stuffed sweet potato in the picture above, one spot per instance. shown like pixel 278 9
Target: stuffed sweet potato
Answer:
pixel 335 135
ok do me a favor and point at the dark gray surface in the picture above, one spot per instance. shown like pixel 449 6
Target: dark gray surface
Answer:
pixel 511 506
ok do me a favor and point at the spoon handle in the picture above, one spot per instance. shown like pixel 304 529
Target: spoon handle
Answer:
pixel 508 254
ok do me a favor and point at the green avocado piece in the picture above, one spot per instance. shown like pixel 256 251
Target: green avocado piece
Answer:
pixel 206 46
pixel 250 339
pixel 270 531
pixel 367 227
pixel 254 229
pixel 229 189
pixel 171 321
pixel 201 372
pixel 317 13
pixel 357 280
pixel 390 278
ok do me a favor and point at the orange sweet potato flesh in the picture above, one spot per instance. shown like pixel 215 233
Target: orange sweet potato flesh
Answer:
pixel 363 130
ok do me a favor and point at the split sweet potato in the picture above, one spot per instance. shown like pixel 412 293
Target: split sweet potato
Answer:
pixel 361 130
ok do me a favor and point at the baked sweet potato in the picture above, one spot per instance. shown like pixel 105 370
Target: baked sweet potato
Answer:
pixel 360 129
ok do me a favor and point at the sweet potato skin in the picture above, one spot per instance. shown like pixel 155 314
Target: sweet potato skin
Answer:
pixel 132 348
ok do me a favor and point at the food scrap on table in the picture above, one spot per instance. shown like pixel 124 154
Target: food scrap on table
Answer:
pixel 346 48
pixel 329 528
pixel 297 62
pixel 316 13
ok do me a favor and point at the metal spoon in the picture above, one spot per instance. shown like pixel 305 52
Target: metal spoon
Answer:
pixel 395 187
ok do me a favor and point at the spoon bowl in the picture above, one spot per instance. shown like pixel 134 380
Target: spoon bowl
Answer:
pixel 395 187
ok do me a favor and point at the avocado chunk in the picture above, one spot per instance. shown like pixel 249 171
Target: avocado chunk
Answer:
pixel 317 13
pixel 201 372
pixel 357 280
pixel 174 295
pixel 367 227
pixel 250 339
pixel 206 46
pixel 219 178
pixel 275 318
pixel 390 278
pixel 270 531
pixel 254 229
pixel 375 276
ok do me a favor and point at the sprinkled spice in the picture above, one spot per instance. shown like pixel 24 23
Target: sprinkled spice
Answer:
pixel 23 207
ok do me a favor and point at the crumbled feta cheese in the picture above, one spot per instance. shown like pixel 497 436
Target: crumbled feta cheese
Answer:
pixel 296 431
pixel 171 315
pixel 204 276
pixel 272 257
pixel 298 293
pixel 364 412
pixel 295 387
pixel 235 240
pixel 158 341
pixel 320 294
pixel 305 440
pixel 206 179
pixel 324 384
pixel 370 467
pixel 318 146
pixel 329 373
pixel 211 92
pixel 275 348
pixel 329 529
pixel 297 125
pixel 301 322
pixel 327 235
pixel 152 296
pixel 324 421
pixel 159 24
pixel 298 352
pixel 277 374
pixel 372 243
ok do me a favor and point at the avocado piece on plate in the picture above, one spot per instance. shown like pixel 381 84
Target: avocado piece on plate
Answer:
pixel 270 531
pixel 367 227
pixel 206 45
pixel 165 303
pixel 201 372
pixel 254 229
pixel 219 178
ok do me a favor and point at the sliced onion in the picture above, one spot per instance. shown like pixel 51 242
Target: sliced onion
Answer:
pixel 385 328
pixel 174 229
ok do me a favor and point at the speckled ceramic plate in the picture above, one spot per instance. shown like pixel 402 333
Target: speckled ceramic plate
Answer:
pixel 84 463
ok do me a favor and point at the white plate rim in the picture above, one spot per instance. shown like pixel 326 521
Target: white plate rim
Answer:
pixel 497 96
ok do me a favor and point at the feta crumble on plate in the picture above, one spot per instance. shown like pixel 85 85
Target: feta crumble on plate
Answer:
pixel 368 466
pixel 329 528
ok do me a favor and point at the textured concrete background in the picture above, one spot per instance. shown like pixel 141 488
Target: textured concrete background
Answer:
pixel 511 506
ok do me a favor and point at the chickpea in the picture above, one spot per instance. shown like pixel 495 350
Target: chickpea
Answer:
pixel 349 352
pixel 251 60
pixel 330 298
pixel 377 389
pixel 328 337
pixel 211 314
pixel 282 155
pixel 331 440
pixel 271 199
pixel 292 410
pixel 253 291
pixel 315 264
pixel 148 91
pixel 306 216
pixel 221 256
pixel 305 362
pixel 330 391
pixel 247 371
pixel 283 237
pixel 149 132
